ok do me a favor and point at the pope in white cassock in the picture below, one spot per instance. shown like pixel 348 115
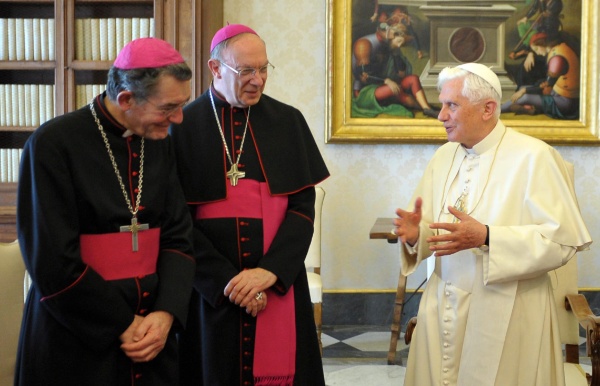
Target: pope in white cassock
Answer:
pixel 498 211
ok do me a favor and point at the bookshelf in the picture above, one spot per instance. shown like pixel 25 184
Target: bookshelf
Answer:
pixel 54 57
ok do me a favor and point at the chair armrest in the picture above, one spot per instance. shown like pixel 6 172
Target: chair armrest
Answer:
pixel 578 304
pixel 410 328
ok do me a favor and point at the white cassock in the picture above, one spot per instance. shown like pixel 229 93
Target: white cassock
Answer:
pixel 488 318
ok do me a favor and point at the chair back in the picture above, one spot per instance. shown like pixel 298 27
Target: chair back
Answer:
pixel 12 272
pixel 313 257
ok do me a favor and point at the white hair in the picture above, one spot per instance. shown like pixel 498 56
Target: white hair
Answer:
pixel 475 88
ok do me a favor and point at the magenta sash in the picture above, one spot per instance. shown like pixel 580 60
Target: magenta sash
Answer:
pixel 111 256
pixel 275 339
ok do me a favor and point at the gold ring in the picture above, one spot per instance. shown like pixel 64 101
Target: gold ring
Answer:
pixel 393 231
pixel 258 296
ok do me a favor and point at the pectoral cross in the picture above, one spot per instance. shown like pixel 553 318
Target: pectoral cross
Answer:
pixel 134 228
pixel 234 174
pixel 460 205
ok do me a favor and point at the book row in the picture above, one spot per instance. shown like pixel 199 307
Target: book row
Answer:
pixel 85 93
pixel 26 104
pixel 9 164
pixel 95 39
pixel 33 104
pixel 102 39
pixel 27 39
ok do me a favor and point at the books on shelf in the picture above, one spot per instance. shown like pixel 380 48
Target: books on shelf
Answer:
pixel 102 39
pixel 86 92
pixel 95 39
pixel 26 104
pixel 26 39
pixel 9 164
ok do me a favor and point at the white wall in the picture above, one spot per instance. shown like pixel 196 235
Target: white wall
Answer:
pixel 368 181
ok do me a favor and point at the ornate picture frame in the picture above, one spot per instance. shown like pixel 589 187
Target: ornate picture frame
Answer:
pixel 436 24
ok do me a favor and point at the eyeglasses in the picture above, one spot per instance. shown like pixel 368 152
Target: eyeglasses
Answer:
pixel 168 109
pixel 250 72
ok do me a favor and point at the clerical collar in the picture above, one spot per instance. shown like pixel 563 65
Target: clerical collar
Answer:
pixel 114 126
pixel 490 141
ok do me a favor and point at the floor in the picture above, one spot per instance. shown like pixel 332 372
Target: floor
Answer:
pixel 357 356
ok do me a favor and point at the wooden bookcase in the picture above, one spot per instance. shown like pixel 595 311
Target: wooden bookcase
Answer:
pixel 187 24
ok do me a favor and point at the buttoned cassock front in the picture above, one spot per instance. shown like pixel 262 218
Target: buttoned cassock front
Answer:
pixel 488 318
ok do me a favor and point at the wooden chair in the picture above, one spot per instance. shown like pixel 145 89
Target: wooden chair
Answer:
pixel 12 295
pixel 313 266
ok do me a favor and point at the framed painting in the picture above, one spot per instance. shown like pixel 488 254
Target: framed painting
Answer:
pixel 384 57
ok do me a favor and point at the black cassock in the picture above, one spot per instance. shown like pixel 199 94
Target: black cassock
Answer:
pixel 279 150
pixel 73 316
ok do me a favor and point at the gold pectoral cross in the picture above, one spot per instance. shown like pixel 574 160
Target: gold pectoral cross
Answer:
pixel 234 174
pixel 134 228
pixel 460 205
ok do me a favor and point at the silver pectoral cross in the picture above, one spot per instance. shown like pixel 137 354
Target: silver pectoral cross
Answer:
pixel 134 228
pixel 234 174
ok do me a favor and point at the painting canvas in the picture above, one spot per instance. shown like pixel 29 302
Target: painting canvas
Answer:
pixel 384 58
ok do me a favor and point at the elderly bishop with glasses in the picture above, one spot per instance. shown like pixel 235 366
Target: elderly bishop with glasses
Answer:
pixel 248 165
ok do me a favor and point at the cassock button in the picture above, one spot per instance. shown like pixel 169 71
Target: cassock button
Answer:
pixel 143 311
pixel 135 155
pixel 246 254
pixel 134 174
pixel 138 376
pixel 146 294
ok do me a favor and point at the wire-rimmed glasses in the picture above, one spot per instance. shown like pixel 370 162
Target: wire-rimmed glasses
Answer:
pixel 250 72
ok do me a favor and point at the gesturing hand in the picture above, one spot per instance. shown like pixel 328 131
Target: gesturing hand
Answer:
pixel 466 234
pixel 407 223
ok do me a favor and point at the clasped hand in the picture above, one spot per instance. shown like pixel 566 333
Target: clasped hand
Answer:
pixel 244 287
pixel 466 234
pixel 146 336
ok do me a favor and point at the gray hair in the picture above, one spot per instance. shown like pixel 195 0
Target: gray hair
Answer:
pixel 475 88
pixel 142 82
pixel 219 48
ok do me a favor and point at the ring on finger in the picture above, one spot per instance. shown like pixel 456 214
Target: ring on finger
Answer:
pixel 258 296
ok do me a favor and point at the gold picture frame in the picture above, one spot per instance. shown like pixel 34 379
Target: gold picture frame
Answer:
pixel 342 127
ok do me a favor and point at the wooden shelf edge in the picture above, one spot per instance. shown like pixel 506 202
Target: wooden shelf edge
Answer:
pixel 27 65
